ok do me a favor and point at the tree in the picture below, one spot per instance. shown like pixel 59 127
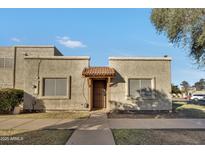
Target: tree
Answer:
pixel 175 89
pixel 200 85
pixel 185 85
pixel 183 27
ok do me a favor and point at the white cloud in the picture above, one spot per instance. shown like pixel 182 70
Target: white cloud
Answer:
pixel 66 41
pixel 15 39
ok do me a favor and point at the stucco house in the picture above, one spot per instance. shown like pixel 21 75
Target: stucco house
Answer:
pixel 52 81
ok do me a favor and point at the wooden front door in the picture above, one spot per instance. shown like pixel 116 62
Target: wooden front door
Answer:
pixel 99 94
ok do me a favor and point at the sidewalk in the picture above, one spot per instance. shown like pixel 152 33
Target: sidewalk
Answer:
pixel 93 131
pixel 156 123
pixel 34 124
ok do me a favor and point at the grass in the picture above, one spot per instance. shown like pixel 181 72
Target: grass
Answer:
pixel 179 110
pixel 159 136
pixel 50 115
pixel 37 137
pixel 189 110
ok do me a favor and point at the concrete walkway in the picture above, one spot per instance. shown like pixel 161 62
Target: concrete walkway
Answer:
pixel 156 123
pixel 93 131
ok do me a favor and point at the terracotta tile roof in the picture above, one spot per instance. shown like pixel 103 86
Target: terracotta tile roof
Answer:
pixel 98 72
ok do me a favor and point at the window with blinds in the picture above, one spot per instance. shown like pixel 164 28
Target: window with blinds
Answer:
pixel 55 87
pixel 5 85
pixel 1 62
pixel 6 62
pixel 140 88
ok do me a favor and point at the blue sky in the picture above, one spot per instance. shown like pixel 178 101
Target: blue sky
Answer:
pixel 98 33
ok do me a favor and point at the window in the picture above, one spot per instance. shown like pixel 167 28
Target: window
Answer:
pixel 5 85
pixel 140 88
pixel 6 62
pixel 55 87
pixel 1 62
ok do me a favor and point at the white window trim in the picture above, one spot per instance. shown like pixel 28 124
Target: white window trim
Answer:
pixel 53 97
pixel 153 84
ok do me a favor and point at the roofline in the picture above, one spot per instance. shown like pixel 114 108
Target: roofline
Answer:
pixel 6 46
pixel 141 58
pixel 59 57
pixel 34 46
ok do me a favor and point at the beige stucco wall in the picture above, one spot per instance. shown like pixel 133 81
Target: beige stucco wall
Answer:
pixel 29 51
pixel 56 67
pixel 157 69
pixel 53 64
pixel 6 74
pixel 15 76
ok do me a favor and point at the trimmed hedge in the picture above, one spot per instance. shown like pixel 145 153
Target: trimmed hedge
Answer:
pixel 9 99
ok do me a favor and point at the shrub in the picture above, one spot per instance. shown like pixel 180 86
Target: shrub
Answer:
pixel 9 98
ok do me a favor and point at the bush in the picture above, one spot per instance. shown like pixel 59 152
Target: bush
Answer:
pixel 9 99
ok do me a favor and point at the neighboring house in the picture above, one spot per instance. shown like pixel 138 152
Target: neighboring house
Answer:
pixel 199 92
pixel 52 81
pixel 190 91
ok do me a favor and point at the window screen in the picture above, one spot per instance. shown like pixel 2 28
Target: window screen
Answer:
pixel 139 87
pixel 1 62
pixel 61 87
pixel 134 87
pixel 49 87
pixel 5 85
pixel 146 83
pixel 6 62
pixel 55 87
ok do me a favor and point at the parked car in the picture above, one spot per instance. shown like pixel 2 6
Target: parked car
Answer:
pixel 198 98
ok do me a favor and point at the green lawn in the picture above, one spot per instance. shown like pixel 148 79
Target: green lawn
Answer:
pixel 36 137
pixel 50 115
pixel 158 137
pixel 189 110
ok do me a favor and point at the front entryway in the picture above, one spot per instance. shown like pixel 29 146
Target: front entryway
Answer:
pixel 99 79
pixel 99 94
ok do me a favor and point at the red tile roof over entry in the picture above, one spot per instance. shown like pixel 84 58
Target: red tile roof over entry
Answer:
pixel 99 72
